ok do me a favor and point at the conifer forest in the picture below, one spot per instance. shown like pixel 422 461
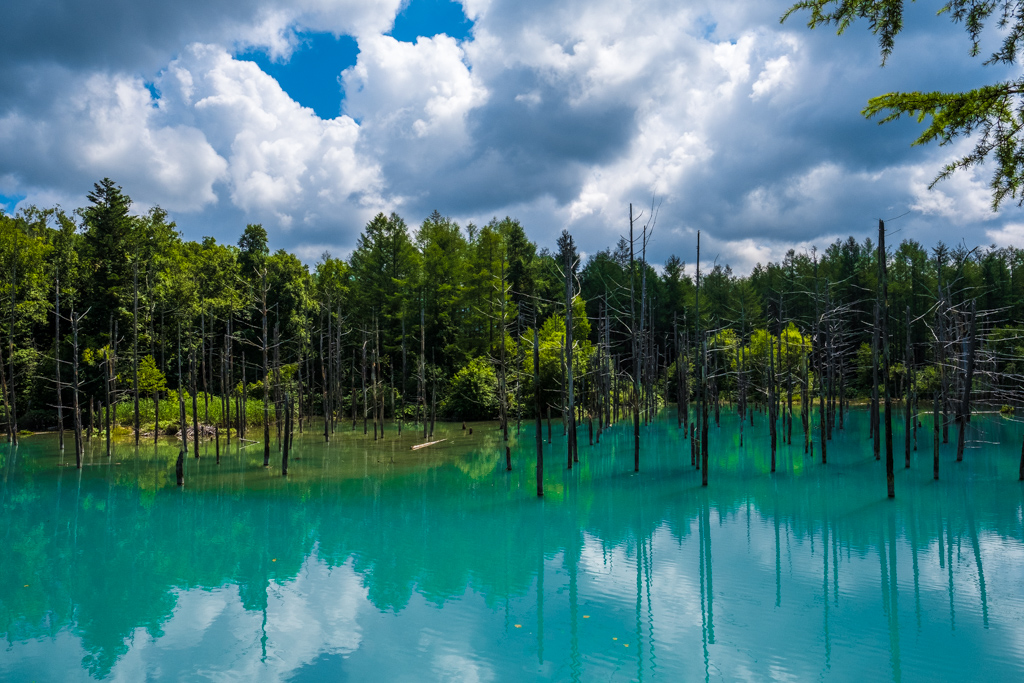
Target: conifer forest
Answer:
pixel 116 328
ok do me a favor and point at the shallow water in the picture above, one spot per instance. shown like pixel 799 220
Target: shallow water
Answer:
pixel 374 562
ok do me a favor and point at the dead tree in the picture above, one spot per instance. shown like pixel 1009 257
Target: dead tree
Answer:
pixel 965 404
pixel 76 407
pixel 537 410
pixel 635 336
pixel 890 477
pixel 909 395
pixel 266 368
pixel 570 395
pixel 12 406
pixel 56 358
pixel 182 422
pixel 135 343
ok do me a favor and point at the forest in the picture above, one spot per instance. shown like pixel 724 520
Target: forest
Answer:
pixel 114 326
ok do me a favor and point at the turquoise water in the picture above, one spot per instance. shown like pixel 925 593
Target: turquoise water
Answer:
pixel 375 562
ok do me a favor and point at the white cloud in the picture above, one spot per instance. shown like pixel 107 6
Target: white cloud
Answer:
pixel 563 112
pixel 403 90
pixel 284 161
pixel 1010 235
pixel 107 126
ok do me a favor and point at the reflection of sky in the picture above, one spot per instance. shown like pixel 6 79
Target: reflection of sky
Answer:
pixel 846 623
pixel 459 574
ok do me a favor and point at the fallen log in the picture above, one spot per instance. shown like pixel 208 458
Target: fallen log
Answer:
pixel 424 445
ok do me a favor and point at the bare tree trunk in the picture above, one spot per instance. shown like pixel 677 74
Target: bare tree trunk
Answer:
pixel 195 403
pixel 433 403
pixel 362 376
pixel 965 405
pixel 205 368
pixel 12 408
pixel 909 402
pixel 805 398
pixel 106 371
pixel 1021 475
pixel 75 320
pixel 819 334
pixel 266 370
pixel 405 377
pixel 537 407
pixel 571 398
pixel 135 343
pixel 352 388
pixel 11 438
pixel 875 418
pixel 287 440
pixel 890 476
pixel 704 419
pixel 635 334
pixel 324 363
pixel 423 366
pixel 771 397
pixel 943 308
pixel 243 409
pixel 701 366
pixel 277 382
pixel 182 422
pixel 56 359
pixel 156 393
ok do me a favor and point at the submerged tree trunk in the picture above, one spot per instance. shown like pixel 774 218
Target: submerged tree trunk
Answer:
pixel 965 404
pixel 75 320
pixel 537 408
pixel 570 388
pixel 636 345
pixel 12 406
pixel 56 359
pixel 11 438
pixel 1021 475
pixel 106 383
pixel 909 402
pixel 135 344
pixel 890 476
pixel 195 403
pixel 876 436
pixel 287 440
pixel 771 397
pixel 182 422
pixel 423 366
pixel 266 370
pixel 324 378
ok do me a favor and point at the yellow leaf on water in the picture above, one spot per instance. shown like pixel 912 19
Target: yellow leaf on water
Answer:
pixel 519 625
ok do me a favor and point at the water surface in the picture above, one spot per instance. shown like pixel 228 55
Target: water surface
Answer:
pixel 374 562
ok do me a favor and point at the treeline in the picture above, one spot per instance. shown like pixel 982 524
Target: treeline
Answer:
pixel 101 308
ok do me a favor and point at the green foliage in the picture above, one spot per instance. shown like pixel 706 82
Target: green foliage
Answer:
pixel 463 278
pixel 993 113
pixel 151 380
pixel 472 393
pixel 791 346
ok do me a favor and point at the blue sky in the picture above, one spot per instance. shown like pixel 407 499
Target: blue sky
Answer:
pixel 310 74
pixel 310 116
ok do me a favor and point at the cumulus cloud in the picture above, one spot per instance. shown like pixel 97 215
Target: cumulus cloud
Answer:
pixel 284 162
pixel 107 125
pixel 561 113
